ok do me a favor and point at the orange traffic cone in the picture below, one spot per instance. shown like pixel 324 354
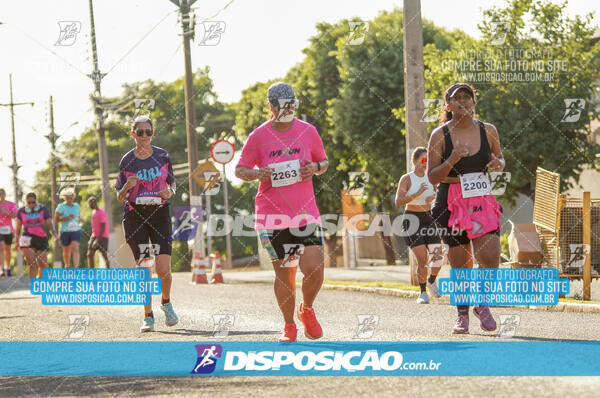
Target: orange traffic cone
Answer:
pixel 199 272
pixel 217 272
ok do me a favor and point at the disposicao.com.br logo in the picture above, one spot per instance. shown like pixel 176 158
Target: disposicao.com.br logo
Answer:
pixel 218 360
pixel 207 358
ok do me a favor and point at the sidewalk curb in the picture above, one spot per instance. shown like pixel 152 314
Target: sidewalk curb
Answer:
pixel 560 307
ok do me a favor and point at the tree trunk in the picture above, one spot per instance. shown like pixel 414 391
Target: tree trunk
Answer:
pixel 186 258
pixel 330 251
pixel 390 256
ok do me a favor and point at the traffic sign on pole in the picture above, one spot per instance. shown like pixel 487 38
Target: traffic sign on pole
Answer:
pixel 206 175
pixel 222 151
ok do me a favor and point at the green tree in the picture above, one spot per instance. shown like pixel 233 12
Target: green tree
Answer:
pixel 81 154
pixel 351 92
pixel 528 114
pixel 362 115
pixel 251 110
pixel 316 81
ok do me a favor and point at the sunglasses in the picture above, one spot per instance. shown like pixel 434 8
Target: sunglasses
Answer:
pixel 140 133
pixel 31 202
pixel 423 160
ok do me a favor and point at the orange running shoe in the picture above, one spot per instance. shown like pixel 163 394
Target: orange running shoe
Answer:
pixel 312 329
pixel 289 333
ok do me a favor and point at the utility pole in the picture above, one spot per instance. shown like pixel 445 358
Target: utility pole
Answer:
pixel 190 115
pixel 96 77
pixel 414 87
pixel 190 109
pixel 14 166
pixel 414 79
pixel 229 260
pixel 53 137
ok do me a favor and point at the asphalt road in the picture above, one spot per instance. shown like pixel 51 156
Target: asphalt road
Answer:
pixel 257 318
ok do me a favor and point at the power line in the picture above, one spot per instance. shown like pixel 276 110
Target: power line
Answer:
pixel 46 48
pixel 217 13
pixel 14 166
pixel 139 41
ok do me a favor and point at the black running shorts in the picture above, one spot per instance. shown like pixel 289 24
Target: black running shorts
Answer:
pixel 419 229
pixel 102 243
pixel 7 238
pixel 144 223
pixel 281 243
pixel 37 243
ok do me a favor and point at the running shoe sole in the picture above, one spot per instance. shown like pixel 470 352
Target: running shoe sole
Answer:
pixel 460 332
pixel 308 336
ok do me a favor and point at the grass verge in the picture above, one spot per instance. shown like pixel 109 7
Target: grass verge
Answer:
pixel 407 286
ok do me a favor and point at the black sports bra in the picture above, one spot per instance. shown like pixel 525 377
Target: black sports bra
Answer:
pixel 470 164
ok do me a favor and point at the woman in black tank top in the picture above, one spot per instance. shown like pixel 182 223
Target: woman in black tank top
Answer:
pixel 461 145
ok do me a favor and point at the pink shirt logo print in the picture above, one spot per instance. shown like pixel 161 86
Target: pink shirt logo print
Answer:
pixel 151 181
pixel 154 173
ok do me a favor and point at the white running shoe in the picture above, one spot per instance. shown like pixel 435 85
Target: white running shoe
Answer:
pixel 147 325
pixel 433 289
pixel 423 298
pixel 171 318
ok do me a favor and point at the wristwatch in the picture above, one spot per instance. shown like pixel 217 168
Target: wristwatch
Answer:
pixel 318 166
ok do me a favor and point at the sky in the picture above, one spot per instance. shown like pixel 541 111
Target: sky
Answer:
pixel 140 39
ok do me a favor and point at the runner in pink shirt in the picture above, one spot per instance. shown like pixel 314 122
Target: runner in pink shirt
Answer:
pixel 99 238
pixel 8 211
pixel 283 154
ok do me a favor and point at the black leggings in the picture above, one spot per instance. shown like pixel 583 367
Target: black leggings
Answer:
pixel 148 223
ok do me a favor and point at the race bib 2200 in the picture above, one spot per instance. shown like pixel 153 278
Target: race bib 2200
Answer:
pixel 475 184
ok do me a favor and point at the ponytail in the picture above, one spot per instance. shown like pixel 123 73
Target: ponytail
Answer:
pixel 445 116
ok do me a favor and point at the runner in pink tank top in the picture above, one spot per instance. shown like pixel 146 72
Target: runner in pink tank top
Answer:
pixel 284 154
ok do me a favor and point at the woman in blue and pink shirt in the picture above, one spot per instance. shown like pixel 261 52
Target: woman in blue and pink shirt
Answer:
pixel 31 219
pixel 145 184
